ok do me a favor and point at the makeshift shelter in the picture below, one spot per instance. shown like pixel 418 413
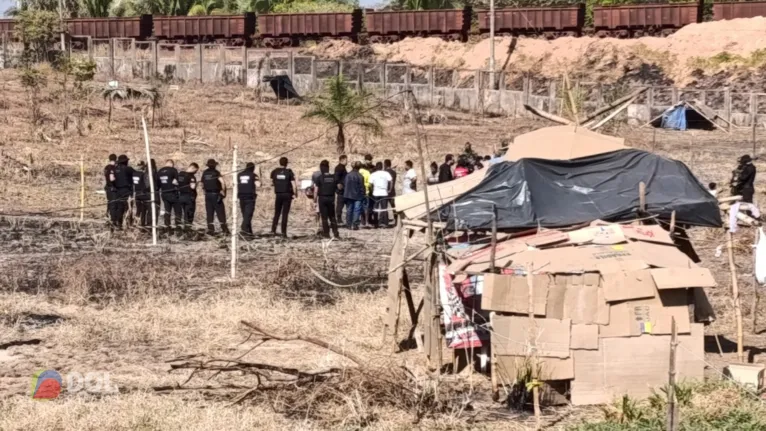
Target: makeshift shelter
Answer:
pixel 687 115
pixel 282 86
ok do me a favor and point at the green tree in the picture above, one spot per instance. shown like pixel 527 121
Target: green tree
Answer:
pixel 206 7
pixel 38 30
pixel 97 8
pixel 425 4
pixel 340 107
pixel 33 80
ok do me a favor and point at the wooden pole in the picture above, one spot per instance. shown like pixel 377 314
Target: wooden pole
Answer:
pixel 735 297
pixel 430 225
pixel 672 424
pixel 672 222
pixel 755 124
pixel 493 250
pixel 235 232
pixel 82 188
pixel 532 337
pixel 642 196
pixel 151 182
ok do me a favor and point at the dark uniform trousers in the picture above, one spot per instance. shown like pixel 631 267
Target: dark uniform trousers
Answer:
pixel 119 207
pixel 247 205
pixel 110 198
pixel 215 207
pixel 327 211
pixel 171 204
pixel 143 211
pixel 281 207
pixel 339 204
pixel 186 205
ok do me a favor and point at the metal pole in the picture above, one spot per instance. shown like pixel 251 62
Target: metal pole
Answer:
pixel 234 214
pixel 82 189
pixel 492 44
pixel 151 183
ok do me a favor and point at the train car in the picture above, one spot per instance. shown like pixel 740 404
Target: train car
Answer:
pixel 7 27
pixel 733 10
pixel 550 22
pixel 390 26
pixel 641 20
pixel 222 29
pixel 106 28
pixel 283 29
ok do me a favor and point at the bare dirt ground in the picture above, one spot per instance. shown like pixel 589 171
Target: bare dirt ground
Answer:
pixel 75 298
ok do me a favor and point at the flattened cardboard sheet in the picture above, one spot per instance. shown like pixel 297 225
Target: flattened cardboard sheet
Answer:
pixel 510 293
pixel 677 278
pixel 511 336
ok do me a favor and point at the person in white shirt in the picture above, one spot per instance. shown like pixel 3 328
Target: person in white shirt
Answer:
pixel 410 182
pixel 382 184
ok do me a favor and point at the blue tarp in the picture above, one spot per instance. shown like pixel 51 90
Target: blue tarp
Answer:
pixel 674 118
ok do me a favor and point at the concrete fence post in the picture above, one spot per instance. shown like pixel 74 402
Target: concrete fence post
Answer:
pixel 650 101
pixel 431 85
pixel 199 61
pixel 4 39
pixel 552 97
pixel 727 103
pixel 526 89
pixel 314 84
pixel 384 79
pixel 753 108
pixel 134 51
pixel 477 75
pixel 674 95
pixel 703 97
pixel 407 78
pixel 111 58
pixel 359 76
pixel 177 54
pixel 221 65
pixel 291 66
pixel 245 66
pixel 156 58
pixel 340 67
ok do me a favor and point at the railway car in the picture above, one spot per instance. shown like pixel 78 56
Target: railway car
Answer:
pixel 733 10
pixel 6 27
pixel 550 22
pixel 278 30
pixel 390 26
pixel 106 28
pixel 221 29
pixel 645 19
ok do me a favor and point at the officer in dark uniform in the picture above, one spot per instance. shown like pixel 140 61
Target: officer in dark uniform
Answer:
pixel 215 192
pixel 122 184
pixel 187 195
pixel 246 194
pixel 108 189
pixel 324 188
pixel 169 191
pixel 142 195
pixel 284 189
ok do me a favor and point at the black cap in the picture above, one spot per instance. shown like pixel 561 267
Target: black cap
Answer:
pixel 250 165
pixel 211 163
pixel 122 159
pixel 745 159
pixel 113 157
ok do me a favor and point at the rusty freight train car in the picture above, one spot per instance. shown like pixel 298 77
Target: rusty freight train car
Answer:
pixel 550 22
pixel 7 27
pixel 390 26
pixel 278 30
pixel 105 28
pixel 223 29
pixel 734 10
pixel 646 19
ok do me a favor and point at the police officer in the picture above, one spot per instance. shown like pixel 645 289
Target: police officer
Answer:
pixel 108 189
pixel 122 184
pixel 142 195
pixel 324 190
pixel 215 191
pixel 187 195
pixel 169 191
pixel 284 189
pixel 246 194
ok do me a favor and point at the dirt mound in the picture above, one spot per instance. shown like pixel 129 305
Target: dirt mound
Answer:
pixel 704 48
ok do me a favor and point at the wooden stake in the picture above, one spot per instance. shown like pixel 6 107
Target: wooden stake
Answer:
pixel 493 250
pixel 642 197
pixel 755 125
pixel 735 297
pixel 151 182
pixel 672 222
pixel 532 336
pixel 234 228
pixel 672 423
pixel 82 189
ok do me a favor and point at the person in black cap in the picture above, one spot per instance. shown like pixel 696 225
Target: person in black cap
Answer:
pixel 744 179
pixel 142 195
pixel 215 192
pixel 324 188
pixel 108 189
pixel 187 195
pixel 168 176
pixel 121 181
pixel 284 189
pixel 246 194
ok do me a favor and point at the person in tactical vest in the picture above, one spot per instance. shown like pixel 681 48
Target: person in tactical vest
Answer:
pixel 108 189
pixel 187 195
pixel 324 189
pixel 121 181
pixel 168 176
pixel 284 189
pixel 246 194
pixel 142 195
pixel 215 192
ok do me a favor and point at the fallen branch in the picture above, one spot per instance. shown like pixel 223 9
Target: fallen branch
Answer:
pixel 548 116
pixel 612 115
pixel 612 105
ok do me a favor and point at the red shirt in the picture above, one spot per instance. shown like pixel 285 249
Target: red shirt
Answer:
pixel 461 172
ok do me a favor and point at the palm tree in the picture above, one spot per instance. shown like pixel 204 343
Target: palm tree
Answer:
pixel 205 7
pixel 97 8
pixel 340 107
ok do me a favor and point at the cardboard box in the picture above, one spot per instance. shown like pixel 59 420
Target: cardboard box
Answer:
pixel 584 337
pixel 651 233
pixel 512 335
pixel 675 278
pixel 550 368
pixel 634 366
pixel 510 293
pixel 649 316
pixel 577 297
pixel 624 285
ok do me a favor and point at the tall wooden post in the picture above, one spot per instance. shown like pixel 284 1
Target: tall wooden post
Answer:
pixel 735 298
pixel 642 196
pixel 235 231
pixel 532 338
pixel 493 249
pixel 82 189
pixel 152 194
pixel 672 424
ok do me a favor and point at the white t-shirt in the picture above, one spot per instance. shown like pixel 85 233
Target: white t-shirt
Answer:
pixel 380 181
pixel 409 177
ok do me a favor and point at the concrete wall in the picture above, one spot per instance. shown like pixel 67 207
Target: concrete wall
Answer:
pixel 465 90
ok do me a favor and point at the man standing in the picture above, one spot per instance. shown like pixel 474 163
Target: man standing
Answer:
pixel 246 194
pixel 382 183
pixel 392 193
pixel 142 195
pixel 365 171
pixel 121 179
pixel 168 190
pixel 340 180
pixel 353 193
pixel 284 189
pixel 410 181
pixel 470 157
pixel 187 195
pixel 215 192
pixel 108 188
pixel 324 190
pixel 445 170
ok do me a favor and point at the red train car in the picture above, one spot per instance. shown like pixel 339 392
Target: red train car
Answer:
pixel 7 26
pixel 733 10
pixel 275 30
pixel 224 29
pixel 106 28
pixel 390 26
pixel 639 20
pixel 548 21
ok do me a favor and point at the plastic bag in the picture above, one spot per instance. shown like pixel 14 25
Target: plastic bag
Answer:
pixel 760 257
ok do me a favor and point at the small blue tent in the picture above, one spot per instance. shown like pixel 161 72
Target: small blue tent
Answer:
pixel 675 117
pixel 687 115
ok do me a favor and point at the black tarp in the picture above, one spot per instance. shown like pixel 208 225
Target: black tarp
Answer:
pixel 282 86
pixel 556 193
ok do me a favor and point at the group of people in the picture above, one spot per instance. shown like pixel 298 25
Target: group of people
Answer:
pixel 366 192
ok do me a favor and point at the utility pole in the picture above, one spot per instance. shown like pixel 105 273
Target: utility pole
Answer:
pixel 492 44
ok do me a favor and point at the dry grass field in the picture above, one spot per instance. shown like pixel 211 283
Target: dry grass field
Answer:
pixel 74 297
